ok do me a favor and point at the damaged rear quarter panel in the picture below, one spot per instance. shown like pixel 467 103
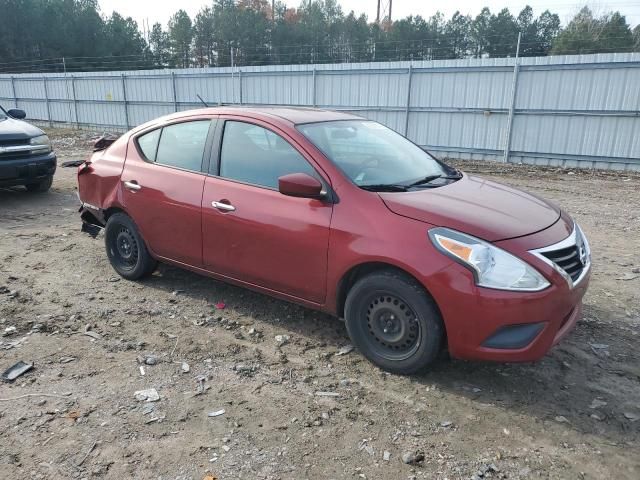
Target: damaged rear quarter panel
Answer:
pixel 99 183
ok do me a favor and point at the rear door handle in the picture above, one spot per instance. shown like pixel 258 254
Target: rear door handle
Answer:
pixel 132 185
pixel 223 206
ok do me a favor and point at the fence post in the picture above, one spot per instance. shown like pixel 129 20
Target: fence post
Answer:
pixel 124 100
pixel 512 107
pixel 175 93
pixel 240 84
pixel 75 102
pixel 314 100
pixel 13 91
pixel 46 97
pixel 408 106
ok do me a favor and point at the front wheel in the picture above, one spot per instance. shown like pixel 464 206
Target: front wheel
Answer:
pixel 394 322
pixel 40 187
pixel 126 249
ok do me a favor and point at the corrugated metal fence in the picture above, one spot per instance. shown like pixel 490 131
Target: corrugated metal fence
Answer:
pixel 572 111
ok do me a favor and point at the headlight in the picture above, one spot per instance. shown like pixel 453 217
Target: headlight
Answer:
pixel 41 143
pixel 492 267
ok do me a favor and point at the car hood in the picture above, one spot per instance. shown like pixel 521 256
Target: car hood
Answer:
pixel 12 129
pixel 478 207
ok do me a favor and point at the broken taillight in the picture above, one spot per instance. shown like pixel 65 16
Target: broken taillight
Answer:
pixel 104 142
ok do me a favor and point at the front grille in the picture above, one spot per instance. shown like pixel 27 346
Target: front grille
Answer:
pixel 6 152
pixel 7 143
pixel 15 155
pixel 567 259
pixel 570 257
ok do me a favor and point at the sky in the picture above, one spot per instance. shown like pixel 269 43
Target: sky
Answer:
pixel 160 10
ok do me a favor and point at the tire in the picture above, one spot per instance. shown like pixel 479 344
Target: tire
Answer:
pixel 394 322
pixel 40 187
pixel 127 252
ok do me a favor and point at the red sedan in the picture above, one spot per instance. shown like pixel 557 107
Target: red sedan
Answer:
pixel 343 215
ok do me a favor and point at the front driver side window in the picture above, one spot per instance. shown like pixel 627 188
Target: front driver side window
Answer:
pixel 252 154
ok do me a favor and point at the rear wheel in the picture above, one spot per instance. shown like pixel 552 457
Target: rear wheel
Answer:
pixel 40 187
pixel 126 249
pixel 394 322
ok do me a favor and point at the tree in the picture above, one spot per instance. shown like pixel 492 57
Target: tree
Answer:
pixel 320 23
pixel 616 35
pixel 588 34
pixel 480 32
pixel 180 35
pixel 528 29
pixel 160 45
pixel 315 31
pixel 43 31
pixel 252 32
pixel 548 27
pixel 203 37
pixel 126 43
pixel 502 35
pixel 411 38
pixel 354 39
pixel 224 12
pixel 457 32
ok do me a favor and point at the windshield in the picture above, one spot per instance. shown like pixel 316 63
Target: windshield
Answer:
pixel 371 154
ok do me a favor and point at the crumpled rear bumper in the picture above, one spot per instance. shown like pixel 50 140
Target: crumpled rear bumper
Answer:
pixel 92 218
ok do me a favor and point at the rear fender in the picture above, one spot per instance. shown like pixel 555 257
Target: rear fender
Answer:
pixel 99 185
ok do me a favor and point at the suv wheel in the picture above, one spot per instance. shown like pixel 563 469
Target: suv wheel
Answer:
pixel 126 249
pixel 394 322
pixel 40 187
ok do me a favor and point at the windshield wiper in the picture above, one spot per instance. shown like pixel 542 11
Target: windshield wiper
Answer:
pixel 383 187
pixel 424 183
pixel 457 175
pixel 425 180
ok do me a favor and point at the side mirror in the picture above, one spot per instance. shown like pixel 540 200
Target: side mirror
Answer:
pixel 17 113
pixel 300 185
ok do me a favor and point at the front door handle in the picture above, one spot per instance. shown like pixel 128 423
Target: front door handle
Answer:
pixel 132 185
pixel 226 207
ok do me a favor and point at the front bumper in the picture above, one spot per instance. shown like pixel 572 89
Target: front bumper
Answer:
pixel 25 171
pixel 505 326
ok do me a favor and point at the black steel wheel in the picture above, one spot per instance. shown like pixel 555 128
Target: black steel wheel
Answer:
pixel 126 249
pixel 394 322
pixel 125 252
pixel 394 329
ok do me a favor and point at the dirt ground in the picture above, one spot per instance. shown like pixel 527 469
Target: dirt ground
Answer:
pixel 574 415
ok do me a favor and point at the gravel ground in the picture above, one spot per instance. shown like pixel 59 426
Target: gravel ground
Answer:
pixel 295 407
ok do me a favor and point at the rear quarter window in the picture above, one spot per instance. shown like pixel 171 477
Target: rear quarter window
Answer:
pixel 148 144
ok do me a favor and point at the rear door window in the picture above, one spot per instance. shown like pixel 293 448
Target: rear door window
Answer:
pixel 256 155
pixel 182 145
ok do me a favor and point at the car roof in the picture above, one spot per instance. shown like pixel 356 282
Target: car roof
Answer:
pixel 293 115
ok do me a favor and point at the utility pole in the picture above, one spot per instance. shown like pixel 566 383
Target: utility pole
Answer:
pixel 273 11
pixel 390 5
pixel 378 15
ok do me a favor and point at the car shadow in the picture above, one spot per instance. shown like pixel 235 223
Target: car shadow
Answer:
pixel 595 362
pixel 18 207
